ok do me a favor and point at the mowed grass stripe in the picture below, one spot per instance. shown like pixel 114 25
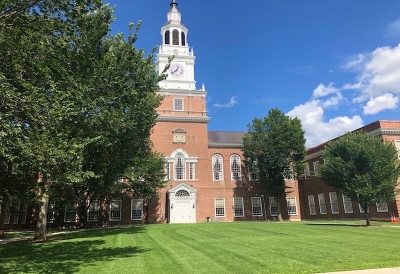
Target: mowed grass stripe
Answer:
pixel 241 247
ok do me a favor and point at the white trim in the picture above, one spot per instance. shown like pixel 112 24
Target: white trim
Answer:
pixel 219 174
pixel 347 204
pixel 382 207
pixel 93 211
pixel 322 204
pixel 334 202
pixel 291 206
pixel 219 203
pixel 114 214
pixel 236 175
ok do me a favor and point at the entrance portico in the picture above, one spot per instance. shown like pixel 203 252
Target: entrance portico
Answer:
pixel 182 204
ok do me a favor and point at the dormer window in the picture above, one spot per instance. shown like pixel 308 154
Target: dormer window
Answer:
pixel 175 37
pixel 166 37
pixel 183 38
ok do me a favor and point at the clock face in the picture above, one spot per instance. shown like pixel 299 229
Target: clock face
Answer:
pixel 176 70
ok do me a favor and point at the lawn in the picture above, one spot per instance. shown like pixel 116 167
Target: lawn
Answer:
pixel 240 247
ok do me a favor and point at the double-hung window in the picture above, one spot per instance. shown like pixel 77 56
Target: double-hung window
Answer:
pixel 219 207
pixel 273 206
pixel 311 204
pixel 93 211
pixel 137 209
pixel 347 204
pixel 238 207
pixel 334 202
pixel 115 210
pixel 291 205
pixel 256 206
pixel 322 204
pixel 235 168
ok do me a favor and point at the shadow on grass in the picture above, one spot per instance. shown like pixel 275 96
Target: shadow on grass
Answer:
pixel 64 256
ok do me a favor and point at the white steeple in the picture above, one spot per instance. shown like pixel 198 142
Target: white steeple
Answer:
pixel 174 43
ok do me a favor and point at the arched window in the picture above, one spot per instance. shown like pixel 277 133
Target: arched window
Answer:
pixel 179 166
pixel 183 38
pixel 175 37
pixel 217 168
pixel 166 37
pixel 182 193
pixel 235 168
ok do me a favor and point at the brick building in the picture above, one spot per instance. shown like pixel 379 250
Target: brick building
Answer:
pixel 205 172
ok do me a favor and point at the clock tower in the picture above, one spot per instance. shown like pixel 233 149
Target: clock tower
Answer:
pixel 174 43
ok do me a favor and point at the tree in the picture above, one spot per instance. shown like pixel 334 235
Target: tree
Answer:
pixel 365 168
pixel 275 146
pixel 49 50
pixel 76 107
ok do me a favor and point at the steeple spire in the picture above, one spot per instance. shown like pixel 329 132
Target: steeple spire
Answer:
pixel 174 5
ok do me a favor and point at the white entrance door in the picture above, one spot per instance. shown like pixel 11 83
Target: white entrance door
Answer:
pixel 182 212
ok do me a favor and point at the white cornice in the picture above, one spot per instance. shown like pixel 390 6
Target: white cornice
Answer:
pixel 200 93
pixel 202 119
pixel 215 144
pixel 384 131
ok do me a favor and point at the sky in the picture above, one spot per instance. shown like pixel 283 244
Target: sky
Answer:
pixel 333 64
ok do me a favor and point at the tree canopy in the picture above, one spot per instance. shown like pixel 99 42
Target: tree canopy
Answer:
pixel 77 104
pixel 275 147
pixel 365 168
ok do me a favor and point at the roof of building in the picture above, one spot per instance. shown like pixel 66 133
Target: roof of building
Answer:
pixel 234 138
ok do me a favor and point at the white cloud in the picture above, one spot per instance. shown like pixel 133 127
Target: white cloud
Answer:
pixel 393 29
pixel 377 104
pixel 317 129
pixel 380 75
pixel 333 101
pixel 321 90
pixel 355 63
pixel 231 103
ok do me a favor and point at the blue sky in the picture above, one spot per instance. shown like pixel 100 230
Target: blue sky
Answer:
pixel 333 64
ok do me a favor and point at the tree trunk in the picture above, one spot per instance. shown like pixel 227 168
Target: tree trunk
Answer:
pixel 367 220
pixel 41 226
pixel 278 205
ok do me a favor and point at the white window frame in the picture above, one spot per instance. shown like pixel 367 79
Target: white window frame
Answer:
pixel 256 206
pixel 307 173
pixel 273 206
pixel 291 206
pixel 167 171
pixel 93 211
pixel 217 171
pixel 238 207
pixel 236 173
pixel 311 205
pixel 382 207
pixel 316 168
pixel 115 210
pixel 288 174
pixel 347 204
pixel 191 171
pixel 136 209
pixel 397 144
pixel 334 202
pixel 178 104
pixel 180 157
pixel 322 204
pixel 219 206
pixel 70 213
